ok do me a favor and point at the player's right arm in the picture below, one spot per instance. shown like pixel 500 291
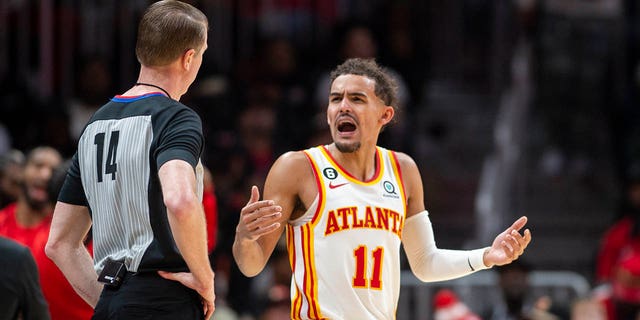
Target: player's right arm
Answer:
pixel 262 222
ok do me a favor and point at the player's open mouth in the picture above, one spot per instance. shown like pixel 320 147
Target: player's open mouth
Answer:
pixel 346 125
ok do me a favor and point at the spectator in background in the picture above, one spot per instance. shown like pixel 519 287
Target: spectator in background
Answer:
pixel 28 220
pixel 249 162
pixel 402 52
pixel 447 306
pixel 93 84
pixel 53 189
pixel 356 40
pixel 275 78
pixel 587 308
pixel 272 286
pixel 618 260
pixel 210 204
pixel 20 292
pixel 11 164
pixel 624 234
pixel 516 298
pixel 621 297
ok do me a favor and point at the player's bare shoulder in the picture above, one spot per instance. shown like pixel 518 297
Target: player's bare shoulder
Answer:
pixel 291 169
pixel 405 161
pixel 292 163
pixel 411 177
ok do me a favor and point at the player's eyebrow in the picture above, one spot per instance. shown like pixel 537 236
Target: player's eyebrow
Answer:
pixel 356 93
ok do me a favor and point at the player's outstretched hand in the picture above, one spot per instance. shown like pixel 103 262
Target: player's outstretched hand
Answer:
pixel 509 245
pixel 258 218
pixel 206 292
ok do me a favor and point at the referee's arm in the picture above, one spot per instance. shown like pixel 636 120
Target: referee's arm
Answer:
pixel 65 247
pixel 188 225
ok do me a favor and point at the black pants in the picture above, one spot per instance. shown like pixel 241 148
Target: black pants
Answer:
pixel 148 296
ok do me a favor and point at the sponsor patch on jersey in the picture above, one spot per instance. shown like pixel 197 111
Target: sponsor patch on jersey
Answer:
pixel 390 190
pixel 330 173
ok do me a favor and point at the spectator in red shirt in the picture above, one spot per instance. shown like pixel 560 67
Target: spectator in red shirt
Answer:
pixel 210 204
pixel 28 220
pixel 624 234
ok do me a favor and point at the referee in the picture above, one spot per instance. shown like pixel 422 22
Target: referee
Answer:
pixel 136 180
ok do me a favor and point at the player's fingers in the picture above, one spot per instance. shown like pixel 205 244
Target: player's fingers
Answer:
pixel 527 237
pixel 262 221
pixel 514 240
pixel 508 249
pixel 255 195
pixel 262 230
pixel 253 208
pixel 518 224
pixel 269 217
pixel 261 212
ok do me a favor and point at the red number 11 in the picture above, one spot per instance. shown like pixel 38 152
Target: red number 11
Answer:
pixel 360 280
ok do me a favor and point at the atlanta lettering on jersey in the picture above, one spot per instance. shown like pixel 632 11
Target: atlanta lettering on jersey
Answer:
pixel 374 218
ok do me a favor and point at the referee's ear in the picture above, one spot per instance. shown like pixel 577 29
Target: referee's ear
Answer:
pixel 187 59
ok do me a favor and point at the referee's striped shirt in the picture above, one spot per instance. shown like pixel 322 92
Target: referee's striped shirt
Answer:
pixel 115 173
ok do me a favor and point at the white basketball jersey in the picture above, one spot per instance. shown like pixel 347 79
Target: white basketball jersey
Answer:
pixel 345 250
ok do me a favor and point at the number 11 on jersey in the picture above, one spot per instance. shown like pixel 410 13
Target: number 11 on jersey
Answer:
pixel 360 278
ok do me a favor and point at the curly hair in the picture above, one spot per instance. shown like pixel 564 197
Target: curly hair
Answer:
pixel 386 87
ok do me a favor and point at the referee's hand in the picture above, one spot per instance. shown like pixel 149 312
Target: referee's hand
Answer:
pixel 205 291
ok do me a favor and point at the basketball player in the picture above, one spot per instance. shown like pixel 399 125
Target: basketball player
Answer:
pixel 136 179
pixel 346 208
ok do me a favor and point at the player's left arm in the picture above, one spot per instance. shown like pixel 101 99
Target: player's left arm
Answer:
pixel 427 261
pixel 65 247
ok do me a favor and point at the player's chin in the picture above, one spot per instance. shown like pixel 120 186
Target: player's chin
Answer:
pixel 347 146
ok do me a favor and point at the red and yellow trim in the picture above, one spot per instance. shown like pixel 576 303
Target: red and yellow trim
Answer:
pixel 376 176
pixel 310 277
pixel 397 171
pixel 296 301
pixel 321 188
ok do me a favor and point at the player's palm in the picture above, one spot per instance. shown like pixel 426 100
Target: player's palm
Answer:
pixel 509 245
pixel 258 218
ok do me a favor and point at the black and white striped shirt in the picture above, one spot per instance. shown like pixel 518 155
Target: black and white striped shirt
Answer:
pixel 115 174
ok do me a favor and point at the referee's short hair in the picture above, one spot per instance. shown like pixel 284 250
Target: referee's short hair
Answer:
pixel 169 28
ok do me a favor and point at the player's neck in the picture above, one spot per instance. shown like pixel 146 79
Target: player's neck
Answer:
pixel 361 163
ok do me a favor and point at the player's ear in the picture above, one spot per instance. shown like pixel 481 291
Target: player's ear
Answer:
pixel 387 115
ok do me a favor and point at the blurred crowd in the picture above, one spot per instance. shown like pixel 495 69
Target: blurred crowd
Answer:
pixel 271 98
